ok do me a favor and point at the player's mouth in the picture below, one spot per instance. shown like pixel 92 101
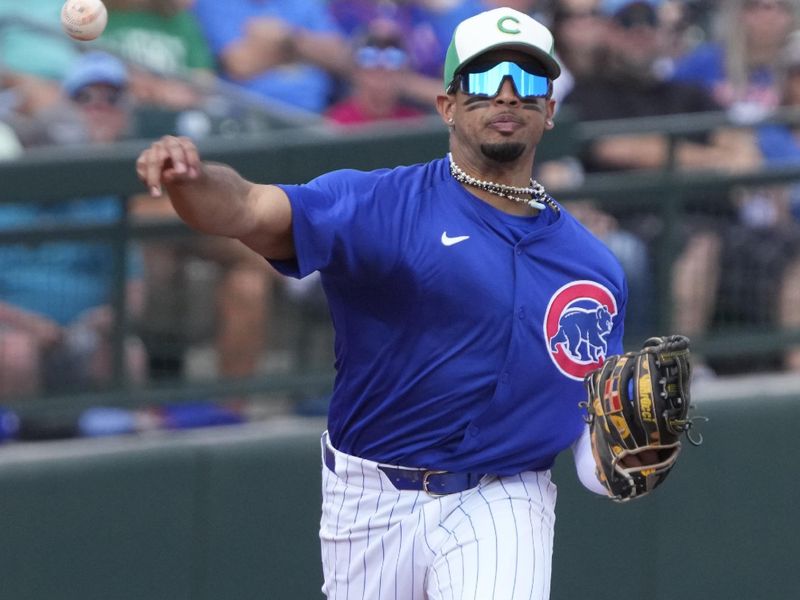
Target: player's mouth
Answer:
pixel 505 123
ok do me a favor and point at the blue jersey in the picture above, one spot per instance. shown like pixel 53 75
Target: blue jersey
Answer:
pixel 462 332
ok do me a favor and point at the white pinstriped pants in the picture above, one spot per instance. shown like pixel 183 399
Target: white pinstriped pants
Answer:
pixel 492 542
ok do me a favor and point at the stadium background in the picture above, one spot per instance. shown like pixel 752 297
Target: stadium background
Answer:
pixel 231 511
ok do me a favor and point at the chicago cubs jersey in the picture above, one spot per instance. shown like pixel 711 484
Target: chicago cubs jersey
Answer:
pixel 462 332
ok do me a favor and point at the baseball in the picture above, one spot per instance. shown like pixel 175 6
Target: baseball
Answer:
pixel 84 20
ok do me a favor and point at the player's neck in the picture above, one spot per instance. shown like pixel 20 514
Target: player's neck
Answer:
pixel 516 173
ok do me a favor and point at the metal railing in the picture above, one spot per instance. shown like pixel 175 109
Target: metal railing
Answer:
pixel 53 174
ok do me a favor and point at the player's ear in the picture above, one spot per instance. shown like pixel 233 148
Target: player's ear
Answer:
pixel 550 110
pixel 445 105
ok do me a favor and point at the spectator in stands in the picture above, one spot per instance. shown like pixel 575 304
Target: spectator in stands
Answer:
pixel 424 42
pixel 282 50
pixel 195 288
pixel 779 143
pixel 425 45
pixel 381 65
pixel 683 26
pixel 753 280
pixel 167 51
pixel 56 317
pixel 34 52
pixel 628 86
pixel 761 275
pixel 739 66
pixel 199 289
pixel 579 29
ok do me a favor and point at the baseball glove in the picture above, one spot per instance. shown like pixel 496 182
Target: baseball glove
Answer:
pixel 637 406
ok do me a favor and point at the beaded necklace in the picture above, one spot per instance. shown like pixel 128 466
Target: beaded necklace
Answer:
pixel 538 196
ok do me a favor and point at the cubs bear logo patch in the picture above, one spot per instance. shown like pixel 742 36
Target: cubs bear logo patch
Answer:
pixel 577 322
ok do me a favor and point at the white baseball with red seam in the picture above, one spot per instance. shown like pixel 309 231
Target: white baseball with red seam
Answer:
pixel 84 20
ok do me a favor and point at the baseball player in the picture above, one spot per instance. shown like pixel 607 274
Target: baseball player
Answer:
pixel 468 306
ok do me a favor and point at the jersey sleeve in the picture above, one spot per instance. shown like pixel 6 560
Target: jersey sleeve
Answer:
pixel 339 227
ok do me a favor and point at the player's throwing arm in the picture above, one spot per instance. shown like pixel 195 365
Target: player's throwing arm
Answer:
pixel 215 199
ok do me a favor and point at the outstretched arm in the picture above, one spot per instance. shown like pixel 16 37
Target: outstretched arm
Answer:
pixel 585 464
pixel 215 199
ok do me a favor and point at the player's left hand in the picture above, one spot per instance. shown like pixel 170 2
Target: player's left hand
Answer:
pixel 637 408
pixel 643 459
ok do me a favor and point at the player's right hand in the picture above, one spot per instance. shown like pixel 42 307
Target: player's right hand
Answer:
pixel 166 161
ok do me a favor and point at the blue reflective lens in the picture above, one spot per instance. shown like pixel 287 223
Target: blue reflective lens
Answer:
pixel 390 58
pixel 487 83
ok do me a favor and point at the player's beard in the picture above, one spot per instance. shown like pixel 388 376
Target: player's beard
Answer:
pixel 503 153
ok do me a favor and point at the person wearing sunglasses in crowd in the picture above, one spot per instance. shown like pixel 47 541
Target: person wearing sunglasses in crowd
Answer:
pixel 739 66
pixel 380 64
pixel 56 314
pixel 629 85
pixel 456 288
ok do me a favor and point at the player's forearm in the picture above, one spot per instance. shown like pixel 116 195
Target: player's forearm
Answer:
pixel 216 202
pixel 585 464
pixel 215 199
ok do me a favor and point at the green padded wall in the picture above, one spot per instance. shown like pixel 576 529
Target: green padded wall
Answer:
pixel 117 525
pixel 722 526
pixel 261 503
pixel 232 514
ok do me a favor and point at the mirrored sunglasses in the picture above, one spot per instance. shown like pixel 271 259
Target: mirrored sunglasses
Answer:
pixel 90 96
pixel 389 58
pixel 489 81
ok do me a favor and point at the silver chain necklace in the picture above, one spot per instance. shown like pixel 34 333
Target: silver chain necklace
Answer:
pixel 538 196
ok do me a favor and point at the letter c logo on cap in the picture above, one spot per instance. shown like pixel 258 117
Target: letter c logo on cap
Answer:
pixel 501 25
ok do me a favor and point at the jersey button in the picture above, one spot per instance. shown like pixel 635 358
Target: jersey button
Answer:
pixel 474 431
pixel 505 377
pixel 521 314
pixel 519 251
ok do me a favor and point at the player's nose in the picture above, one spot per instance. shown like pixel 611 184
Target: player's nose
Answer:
pixel 507 94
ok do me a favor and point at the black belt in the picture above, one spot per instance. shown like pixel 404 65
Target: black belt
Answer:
pixel 435 483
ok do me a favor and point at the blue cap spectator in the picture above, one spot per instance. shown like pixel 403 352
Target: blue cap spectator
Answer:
pixel 633 14
pixel 95 68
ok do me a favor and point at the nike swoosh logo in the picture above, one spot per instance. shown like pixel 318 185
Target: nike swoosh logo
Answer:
pixel 451 241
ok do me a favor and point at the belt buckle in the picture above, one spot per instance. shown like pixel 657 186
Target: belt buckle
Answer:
pixel 425 476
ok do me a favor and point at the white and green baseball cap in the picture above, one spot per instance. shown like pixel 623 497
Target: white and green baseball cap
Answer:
pixel 500 28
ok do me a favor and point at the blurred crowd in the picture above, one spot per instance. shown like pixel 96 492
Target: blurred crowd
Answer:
pixel 356 61
pixel 222 67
